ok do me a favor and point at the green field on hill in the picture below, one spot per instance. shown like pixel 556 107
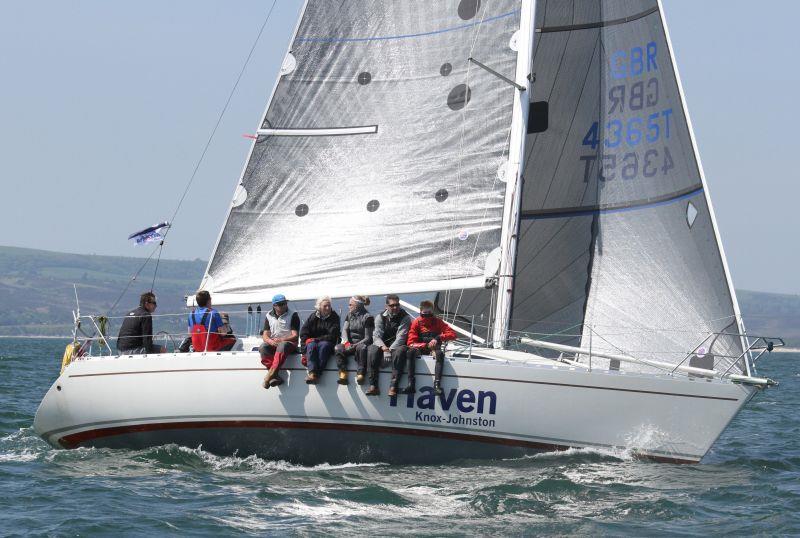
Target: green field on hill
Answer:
pixel 37 295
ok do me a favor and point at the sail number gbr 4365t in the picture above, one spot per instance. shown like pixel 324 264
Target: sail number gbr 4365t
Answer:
pixel 637 127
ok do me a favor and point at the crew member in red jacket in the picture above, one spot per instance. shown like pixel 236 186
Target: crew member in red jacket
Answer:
pixel 426 337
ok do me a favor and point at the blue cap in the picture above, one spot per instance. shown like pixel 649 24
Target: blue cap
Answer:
pixel 278 298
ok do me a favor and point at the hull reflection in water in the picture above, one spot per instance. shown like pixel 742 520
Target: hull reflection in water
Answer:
pixel 489 409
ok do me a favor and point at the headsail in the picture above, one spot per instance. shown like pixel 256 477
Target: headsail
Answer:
pixel 378 165
pixel 617 238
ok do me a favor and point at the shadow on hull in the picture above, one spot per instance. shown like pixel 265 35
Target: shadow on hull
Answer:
pixel 304 443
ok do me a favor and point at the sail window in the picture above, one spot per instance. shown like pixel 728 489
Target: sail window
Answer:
pixel 373 205
pixel 441 195
pixel 446 69
pixel 459 97
pixel 364 78
pixel 467 9
pixel 691 214
pixel 538 117
pixel 301 210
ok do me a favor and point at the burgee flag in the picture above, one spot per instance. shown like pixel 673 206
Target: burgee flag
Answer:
pixel 149 235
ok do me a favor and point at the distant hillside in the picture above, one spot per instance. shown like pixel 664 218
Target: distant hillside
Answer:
pixel 37 297
pixel 36 287
pixel 771 314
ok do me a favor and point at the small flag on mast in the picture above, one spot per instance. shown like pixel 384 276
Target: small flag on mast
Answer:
pixel 149 235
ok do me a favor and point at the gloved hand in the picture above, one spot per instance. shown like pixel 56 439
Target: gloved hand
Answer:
pixel 303 360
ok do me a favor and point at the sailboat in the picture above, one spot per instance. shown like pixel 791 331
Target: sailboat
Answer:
pixel 531 166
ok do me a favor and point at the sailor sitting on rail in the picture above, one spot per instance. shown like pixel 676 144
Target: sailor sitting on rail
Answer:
pixel 205 325
pixel 390 336
pixel 318 335
pixel 425 337
pixel 281 328
pixel 356 337
pixel 136 334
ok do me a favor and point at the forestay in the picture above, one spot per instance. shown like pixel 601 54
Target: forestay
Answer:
pixel 617 238
pixel 379 164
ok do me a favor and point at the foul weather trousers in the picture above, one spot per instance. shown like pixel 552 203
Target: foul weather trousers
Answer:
pixel 317 354
pixel 399 356
pixel 275 356
pixel 415 352
pixel 357 350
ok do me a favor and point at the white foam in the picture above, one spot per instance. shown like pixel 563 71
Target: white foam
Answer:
pixel 255 463
pixel 23 456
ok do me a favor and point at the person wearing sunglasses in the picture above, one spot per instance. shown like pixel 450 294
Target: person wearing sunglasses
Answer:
pixel 427 336
pixel 136 334
pixel 390 336
pixel 281 329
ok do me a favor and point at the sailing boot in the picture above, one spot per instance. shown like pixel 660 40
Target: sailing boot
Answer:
pixel 437 388
pixel 373 391
pixel 360 378
pixel 408 390
pixel 276 380
pixel 342 377
pixel 272 374
pixel 311 378
pixel 393 386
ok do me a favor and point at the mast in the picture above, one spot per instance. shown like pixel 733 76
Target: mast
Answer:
pixel 519 122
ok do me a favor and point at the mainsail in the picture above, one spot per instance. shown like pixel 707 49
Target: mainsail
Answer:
pixel 380 161
pixel 617 244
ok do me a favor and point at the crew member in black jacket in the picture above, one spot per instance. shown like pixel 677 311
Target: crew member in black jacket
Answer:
pixel 136 334
pixel 320 332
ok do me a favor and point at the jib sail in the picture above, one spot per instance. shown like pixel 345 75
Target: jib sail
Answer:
pixel 617 237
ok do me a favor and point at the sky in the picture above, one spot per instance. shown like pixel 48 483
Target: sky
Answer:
pixel 105 108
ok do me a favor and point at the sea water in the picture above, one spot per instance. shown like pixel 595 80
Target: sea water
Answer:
pixel 748 484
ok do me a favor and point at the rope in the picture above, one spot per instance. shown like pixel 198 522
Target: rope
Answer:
pixel 196 167
pixel 158 261
pixel 448 293
pixel 221 114
pixel 211 136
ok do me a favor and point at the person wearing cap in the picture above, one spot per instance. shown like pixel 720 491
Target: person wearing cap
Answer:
pixel 425 337
pixel 356 338
pixel 281 329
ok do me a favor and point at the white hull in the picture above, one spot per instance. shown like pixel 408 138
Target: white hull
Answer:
pixel 491 408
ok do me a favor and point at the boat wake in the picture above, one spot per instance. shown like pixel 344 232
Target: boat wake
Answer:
pixel 253 463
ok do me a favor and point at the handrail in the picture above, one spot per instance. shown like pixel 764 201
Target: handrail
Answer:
pixel 758 381
pixel 763 344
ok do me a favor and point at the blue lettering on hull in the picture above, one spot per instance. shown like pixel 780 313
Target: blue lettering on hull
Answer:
pixel 464 400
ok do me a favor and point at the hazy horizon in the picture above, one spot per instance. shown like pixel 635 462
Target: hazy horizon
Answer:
pixel 106 108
